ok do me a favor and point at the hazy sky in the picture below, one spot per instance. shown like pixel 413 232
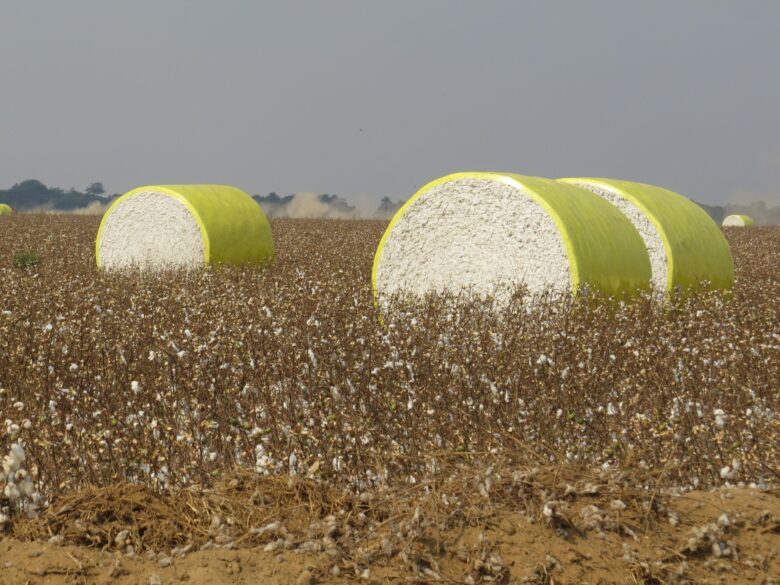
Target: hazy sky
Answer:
pixel 366 99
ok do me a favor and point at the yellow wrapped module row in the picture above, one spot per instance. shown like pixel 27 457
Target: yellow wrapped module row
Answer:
pixel 183 226
pixel 5 209
pixel 737 221
pixel 490 233
pixel 685 246
pixel 477 233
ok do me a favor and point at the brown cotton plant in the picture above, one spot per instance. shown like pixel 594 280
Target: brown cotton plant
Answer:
pixel 186 378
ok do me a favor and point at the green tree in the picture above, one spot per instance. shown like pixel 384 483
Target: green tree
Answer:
pixel 95 189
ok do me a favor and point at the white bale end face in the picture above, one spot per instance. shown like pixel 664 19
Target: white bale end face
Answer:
pixel 150 230
pixel 474 235
pixel 737 221
pixel 653 242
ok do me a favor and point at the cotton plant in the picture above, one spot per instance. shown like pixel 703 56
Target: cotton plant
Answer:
pixel 18 490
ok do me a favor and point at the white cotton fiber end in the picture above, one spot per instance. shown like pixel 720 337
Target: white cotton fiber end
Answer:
pixel 150 230
pixel 475 236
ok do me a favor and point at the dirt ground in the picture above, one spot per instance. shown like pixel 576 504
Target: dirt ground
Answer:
pixel 724 536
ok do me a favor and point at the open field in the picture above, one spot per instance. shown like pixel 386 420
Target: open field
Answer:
pixel 269 411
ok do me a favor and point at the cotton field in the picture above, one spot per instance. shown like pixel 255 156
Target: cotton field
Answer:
pixel 186 378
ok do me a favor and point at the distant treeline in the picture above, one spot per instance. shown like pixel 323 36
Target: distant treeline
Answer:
pixel 324 205
pixel 33 195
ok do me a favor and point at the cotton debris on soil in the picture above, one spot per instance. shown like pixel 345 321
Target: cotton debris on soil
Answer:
pixel 684 244
pixel 487 233
pixel 183 226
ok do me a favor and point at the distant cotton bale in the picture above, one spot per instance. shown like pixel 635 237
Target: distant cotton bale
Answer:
pixel 487 233
pixel 686 247
pixel 183 226
pixel 737 221
pixel 6 209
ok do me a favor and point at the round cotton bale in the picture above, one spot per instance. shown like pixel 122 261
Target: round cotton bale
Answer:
pixel 183 226
pixel 686 247
pixel 737 221
pixel 6 209
pixel 487 233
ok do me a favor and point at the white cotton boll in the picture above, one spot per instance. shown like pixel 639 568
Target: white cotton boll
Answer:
pixel 17 451
pixel 727 472
pixel 10 464
pixel 121 538
pixel 720 418
pixel 27 423
pixel 135 386
pixel 26 487
pixel 611 410
pixel 19 405
pixel 12 492
pixel 52 405
pixel 73 367
pixel 264 463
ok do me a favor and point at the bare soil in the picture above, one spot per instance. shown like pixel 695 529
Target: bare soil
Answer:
pixel 729 535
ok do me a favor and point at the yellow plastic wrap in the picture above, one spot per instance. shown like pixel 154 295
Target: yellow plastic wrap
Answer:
pixel 234 228
pixel 5 209
pixel 604 250
pixel 745 220
pixel 696 250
